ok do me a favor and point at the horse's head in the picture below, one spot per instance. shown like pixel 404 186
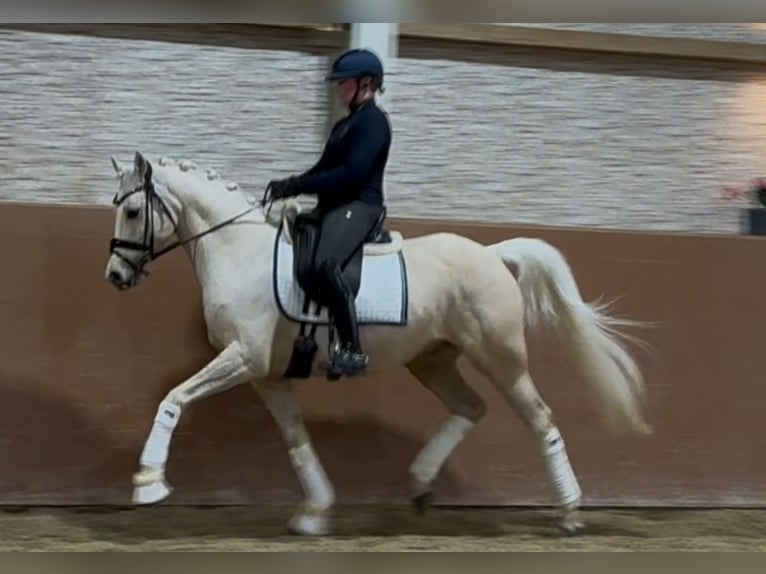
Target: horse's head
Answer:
pixel 146 220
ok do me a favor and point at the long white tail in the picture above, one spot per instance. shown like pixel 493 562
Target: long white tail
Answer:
pixel 590 335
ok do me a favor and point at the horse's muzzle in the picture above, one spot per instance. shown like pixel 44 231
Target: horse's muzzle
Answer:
pixel 121 275
pixel 119 280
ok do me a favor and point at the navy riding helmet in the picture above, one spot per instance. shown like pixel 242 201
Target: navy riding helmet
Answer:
pixel 356 64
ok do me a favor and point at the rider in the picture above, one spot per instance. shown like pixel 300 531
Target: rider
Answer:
pixel 348 183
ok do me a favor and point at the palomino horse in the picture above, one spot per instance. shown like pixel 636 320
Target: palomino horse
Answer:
pixel 455 298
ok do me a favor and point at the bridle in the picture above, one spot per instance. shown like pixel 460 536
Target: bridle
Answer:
pixel 147 246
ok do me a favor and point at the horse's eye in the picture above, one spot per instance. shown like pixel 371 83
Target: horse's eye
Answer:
pixel 132 213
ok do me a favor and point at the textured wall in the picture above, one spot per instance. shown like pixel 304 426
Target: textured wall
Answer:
pixel 69 101
pixel 753 33
pixel 542 136
pixel 506 135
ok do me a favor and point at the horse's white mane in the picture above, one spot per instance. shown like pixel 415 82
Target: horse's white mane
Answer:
pixel 211 178
pixel 189 167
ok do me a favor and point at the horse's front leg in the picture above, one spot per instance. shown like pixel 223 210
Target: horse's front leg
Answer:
pixel 312 516
pixel 227 370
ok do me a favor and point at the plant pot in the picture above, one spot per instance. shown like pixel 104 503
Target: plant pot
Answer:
pixel 756 221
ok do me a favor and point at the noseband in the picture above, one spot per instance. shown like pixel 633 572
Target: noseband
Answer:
pixel 147 247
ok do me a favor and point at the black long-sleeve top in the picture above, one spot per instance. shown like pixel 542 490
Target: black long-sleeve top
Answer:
pixel 353 161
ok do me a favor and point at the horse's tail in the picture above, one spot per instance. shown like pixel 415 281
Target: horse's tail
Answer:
pixel 590 335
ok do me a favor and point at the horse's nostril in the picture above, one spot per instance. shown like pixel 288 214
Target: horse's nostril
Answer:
pixel 115 277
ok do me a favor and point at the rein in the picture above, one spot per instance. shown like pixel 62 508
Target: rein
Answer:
pixel 147 247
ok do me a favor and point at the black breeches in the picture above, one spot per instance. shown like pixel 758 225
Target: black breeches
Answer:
pixel 343 233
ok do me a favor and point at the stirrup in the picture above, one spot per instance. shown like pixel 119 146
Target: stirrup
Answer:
pixel 346 362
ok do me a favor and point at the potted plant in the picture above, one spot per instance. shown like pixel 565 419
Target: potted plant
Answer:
pixel 754 222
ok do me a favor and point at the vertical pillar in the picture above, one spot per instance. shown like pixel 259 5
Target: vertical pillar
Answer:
pixel 381 37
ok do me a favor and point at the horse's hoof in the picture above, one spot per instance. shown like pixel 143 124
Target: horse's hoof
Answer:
pixel 570 529
pixel 421 502
pixel 147 494
pixel 309 525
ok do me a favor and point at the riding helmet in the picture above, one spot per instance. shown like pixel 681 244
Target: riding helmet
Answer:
pixel 356 64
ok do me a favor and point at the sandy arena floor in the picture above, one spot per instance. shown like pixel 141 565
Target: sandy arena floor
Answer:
pixel 375 528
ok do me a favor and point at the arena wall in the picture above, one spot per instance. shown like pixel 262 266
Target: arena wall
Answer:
pixel 528 134
pixel 84 367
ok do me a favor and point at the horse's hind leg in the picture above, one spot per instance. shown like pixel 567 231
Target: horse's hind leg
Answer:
pixel 522 395
pixel 438 372
pixel 503 359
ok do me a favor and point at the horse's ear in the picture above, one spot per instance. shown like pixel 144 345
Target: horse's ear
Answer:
pixel 118 167
pixel 141 165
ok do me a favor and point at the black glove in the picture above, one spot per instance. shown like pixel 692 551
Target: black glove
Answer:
pixel 284 188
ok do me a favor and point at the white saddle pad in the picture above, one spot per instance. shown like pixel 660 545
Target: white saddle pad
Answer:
pixel 382 297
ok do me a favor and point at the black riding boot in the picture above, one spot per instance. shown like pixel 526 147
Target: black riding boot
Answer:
pixel 350 360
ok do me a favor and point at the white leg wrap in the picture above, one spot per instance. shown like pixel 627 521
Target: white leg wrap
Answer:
pixel 312 477
pixel 431 458
pixel 155 453
pixel 560 473
pixel 151 493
